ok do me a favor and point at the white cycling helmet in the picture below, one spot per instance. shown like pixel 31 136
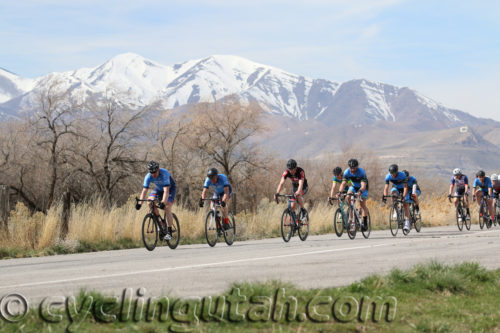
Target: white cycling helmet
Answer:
pixel 494 176
pixel 457 171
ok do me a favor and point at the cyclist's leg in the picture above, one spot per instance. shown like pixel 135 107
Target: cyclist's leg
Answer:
pixel 155 194
pixel 168 207
pixel 491 208
pixel 300 197
pixel 479 196
pixel 362 203
pixel 394 193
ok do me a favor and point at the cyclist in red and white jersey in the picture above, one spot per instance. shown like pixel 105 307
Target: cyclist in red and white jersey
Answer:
pixel 460 182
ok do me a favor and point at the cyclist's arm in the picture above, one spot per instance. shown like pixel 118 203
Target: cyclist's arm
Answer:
pixel 204 193
pixel 226 193
pixel 166 192
pixel 363 186
pixel 342 185
pixel 332 192
pixel 143 194
pixel 280 186
pixel 386 189
pixel 451 189
pixel 301 185
pixel 405 189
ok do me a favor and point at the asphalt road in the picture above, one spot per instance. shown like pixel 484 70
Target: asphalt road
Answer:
pixel 198 270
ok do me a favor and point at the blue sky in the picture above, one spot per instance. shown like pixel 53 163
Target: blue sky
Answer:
pixel 447 50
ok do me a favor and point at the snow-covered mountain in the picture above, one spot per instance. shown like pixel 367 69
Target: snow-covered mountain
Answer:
pixel 142 81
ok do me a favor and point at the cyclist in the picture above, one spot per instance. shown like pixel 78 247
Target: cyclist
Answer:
pixel 222 191
pixel 359 184
pixel 461 184
pixel 164 191
pixel 399 186
pixel 299 184
pixel 414 190
pixel 495 185
pixel 483 187
pixel 337 180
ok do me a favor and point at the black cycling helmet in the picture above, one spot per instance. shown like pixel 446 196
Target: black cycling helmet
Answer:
pixel 393 168
pixel 353 163
pixel 337 171
pixel 212 173
pixel 153 166
pixel 291 164
pixel 406 173
pixel 480 173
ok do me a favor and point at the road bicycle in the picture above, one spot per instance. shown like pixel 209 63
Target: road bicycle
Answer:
pixel 340 219
pixel 461 213
pixel 484 214
pixel 154 227
pixel 214 224
pixel 415 216
pixel 290 222
pixel 396 215
pixel 355 216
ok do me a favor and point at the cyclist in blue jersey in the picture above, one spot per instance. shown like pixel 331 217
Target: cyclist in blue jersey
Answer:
pixel 222 191
pixel 460 182
pixel 357 176
pixel 299 184
pixel 164 190
pixel 338 176
pixel 484 187
pixel 399 187
pixel 413 190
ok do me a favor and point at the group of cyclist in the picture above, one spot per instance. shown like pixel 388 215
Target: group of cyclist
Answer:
pixel 352 181
pixel 483 187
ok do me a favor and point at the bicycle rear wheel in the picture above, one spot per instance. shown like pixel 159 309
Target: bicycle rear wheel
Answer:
pixel 394 220
pixel 286 225
pixel 176 233
pixel 366 233
pixel 417 218
pixel 211 232
pixel 351 232
pixel 468 222
pixel 230 233
pixel 338 222
pixel 150 232
pixel 304 227
pixel 460 218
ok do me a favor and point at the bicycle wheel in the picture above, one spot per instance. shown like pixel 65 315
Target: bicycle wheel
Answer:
pixel 402 221
pixel 176 233
pixel 304 227
pixel 417 219
pixel 286 225
pixel 460 217
pixel 366 233
pixel 338 222
pixel 351 232
pixel 394 220
pixel 468 222
pixel 230 233
pixel 149 232
pixel 481 216
pixel 211 232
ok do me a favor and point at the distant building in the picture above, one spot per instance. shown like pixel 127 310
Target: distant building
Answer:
pixel 464 129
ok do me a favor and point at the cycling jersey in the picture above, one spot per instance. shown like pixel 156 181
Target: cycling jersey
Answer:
pixel 339 181
pixel 496 186
pixel 460 183
pixel 222 182
pixel 356 178
pixel 483 186
pixel 397 181
pixel 412 181
pixel 164 179
pixel 299 174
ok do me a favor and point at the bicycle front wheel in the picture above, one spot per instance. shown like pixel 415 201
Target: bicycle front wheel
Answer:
pixel 150 232
pixel 368 228
pixel 304 227
pixel 176 233
pixel 481 216
pixel 286 225
pixel 211 232
pixel 460 218
pixel 468 221
pixel 351 231
pixel 338 222
pixel 394 220
pixel 230 234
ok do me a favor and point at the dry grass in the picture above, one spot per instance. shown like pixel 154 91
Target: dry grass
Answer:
pixel 91 222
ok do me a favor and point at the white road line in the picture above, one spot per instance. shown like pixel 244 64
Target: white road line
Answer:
pixel 32 284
